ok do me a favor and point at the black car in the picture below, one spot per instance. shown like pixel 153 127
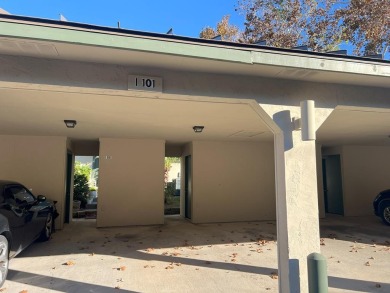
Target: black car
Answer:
pixel 382 206
pixel 24 218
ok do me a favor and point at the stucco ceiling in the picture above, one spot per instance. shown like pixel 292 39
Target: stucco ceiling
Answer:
pixel 359 126
pixel 30 112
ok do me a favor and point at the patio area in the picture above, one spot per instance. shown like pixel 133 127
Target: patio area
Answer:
pixel 183 257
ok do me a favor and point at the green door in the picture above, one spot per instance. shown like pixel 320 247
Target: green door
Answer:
pixel 333 187
pixel 69 173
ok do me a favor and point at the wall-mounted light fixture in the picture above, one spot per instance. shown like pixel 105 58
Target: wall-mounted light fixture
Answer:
pixel 198 128
pixel 70 123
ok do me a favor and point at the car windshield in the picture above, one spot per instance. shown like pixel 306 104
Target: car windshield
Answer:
pixel 21 194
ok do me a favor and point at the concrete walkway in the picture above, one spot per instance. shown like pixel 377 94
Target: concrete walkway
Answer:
pixel 183 257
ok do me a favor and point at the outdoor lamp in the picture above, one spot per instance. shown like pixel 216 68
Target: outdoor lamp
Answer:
pixel 70 123
pixel 198 128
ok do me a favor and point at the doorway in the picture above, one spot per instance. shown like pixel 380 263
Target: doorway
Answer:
pixel 172 169
pixel 333 187
pixel 85 188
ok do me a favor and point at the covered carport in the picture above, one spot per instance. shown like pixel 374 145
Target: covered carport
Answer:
pixel 355 153
pixel 247 98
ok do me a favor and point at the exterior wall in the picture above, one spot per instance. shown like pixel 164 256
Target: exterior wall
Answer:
pixel 85 148
pixel 131 184
pixel 365 173
pixel 233 182
pixel 39 163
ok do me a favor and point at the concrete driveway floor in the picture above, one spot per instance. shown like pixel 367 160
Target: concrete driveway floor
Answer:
pixel 183 257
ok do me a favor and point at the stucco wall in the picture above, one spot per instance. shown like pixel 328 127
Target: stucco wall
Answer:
pixel 365 173
pixel 39 163
pixel 233 181
pixel 131 184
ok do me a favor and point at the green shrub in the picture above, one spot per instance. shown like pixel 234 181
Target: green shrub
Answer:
pixel 81 189
pixel 169 192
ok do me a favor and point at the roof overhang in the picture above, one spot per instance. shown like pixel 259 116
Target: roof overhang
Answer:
pixel 71 41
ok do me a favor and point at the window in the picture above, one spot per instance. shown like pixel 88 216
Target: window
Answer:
pixel 20 194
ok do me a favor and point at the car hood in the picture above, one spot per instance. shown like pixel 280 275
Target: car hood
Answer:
pixel 41 205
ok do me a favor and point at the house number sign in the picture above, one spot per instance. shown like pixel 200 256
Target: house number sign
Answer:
pixel 145 83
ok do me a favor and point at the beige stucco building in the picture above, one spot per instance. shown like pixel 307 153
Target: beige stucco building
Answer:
pixel 136 97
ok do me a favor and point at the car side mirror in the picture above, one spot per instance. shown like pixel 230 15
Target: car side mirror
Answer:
pixel 41 198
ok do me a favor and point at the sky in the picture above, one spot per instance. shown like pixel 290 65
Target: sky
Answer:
pixel 187 18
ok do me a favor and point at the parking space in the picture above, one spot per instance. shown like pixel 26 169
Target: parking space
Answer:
pixel 184 257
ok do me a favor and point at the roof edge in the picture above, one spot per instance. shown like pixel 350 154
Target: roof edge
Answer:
pixel 169 37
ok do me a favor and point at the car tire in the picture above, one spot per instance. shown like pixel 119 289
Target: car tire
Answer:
pixel 4 259
pixel 48 228
pixel 385 212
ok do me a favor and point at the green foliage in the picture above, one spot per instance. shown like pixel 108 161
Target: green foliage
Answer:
pixel 81 188
pixel 167 166
pixel 170 160
pixel 169 191
pixel 83 169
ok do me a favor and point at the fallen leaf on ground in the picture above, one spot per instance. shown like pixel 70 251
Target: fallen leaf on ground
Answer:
pixel 23 291
pixel 3 289
pixel 68 263
pixel 92 254
pixel 122 268
pixel 367 264
pixel 149 249
pixel 274 276
pixel 117 287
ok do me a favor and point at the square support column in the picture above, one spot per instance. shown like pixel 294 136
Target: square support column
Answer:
pixel 296 204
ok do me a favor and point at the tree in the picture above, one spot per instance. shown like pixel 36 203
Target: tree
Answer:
pixel 289 23
pixel 322 25
pixel 82 174
pixel 366 24
pixel 83 169
pixel 227 31
pixel 169 187
pixel 81 189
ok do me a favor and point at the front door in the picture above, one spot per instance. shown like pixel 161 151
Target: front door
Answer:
pixel 69 174
pixel 333 187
